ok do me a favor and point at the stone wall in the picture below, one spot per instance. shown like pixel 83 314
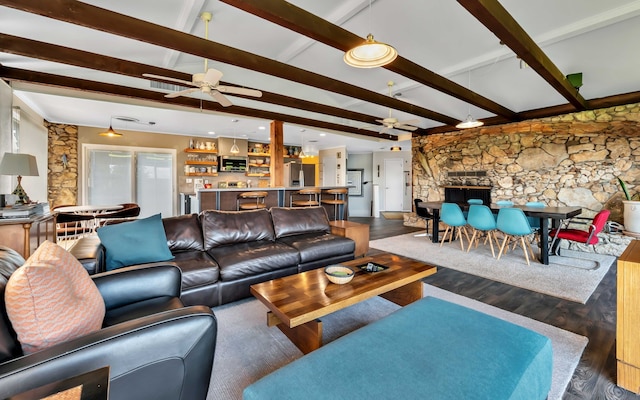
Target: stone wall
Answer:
pixel 571 160
pixel 62 164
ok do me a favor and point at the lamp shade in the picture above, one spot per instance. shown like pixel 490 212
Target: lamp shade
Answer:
pixel 370 54
pixel 19 164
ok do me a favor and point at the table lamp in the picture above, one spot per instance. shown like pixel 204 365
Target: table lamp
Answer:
pixel 21 165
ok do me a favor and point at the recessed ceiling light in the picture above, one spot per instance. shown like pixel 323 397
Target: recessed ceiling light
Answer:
pixel 323 134
pixel 211 133
pixel 262 128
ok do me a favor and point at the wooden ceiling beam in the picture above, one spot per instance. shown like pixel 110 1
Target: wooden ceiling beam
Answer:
pixel 65 55
pixel 298 20
pixel 545 112
pixel 41 78
pixel 496 18
pixel 93 17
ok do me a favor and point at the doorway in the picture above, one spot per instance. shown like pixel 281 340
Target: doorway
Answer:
pixel 393 185
pixel 117 174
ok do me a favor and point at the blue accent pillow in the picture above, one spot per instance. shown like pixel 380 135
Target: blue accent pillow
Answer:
pixel 136 242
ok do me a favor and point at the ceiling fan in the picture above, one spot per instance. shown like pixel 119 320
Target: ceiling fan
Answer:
pixel 393 123
pixel 208 81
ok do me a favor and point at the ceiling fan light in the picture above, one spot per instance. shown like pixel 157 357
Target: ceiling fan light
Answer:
pixel 370 54
pixel 469 123
pixel 110 133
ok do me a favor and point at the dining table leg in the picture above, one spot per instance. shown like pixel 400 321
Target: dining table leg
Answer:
pixel 544 241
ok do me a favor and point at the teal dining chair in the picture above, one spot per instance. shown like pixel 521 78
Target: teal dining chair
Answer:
pixel 451 215
pixel 535 222
pixel 513 223
pixel 504 203
pixel 474 201
pixel 483 222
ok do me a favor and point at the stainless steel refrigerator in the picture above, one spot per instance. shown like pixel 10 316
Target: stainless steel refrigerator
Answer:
pixel 294 177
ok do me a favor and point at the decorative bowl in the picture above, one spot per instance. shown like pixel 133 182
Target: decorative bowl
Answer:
pixel 259 161
pixel 339 274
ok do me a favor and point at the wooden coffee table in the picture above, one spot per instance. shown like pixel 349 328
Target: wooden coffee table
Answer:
pixel 296 302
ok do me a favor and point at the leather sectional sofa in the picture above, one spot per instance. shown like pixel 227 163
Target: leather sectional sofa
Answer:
pixel 222 253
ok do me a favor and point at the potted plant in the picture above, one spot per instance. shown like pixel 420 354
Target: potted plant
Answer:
pixel 631 209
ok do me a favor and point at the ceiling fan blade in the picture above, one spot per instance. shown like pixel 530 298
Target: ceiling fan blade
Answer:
pixel 212 77
pixel 406 127
pixel 385 129
pixel 181 93
pixel 166 78
pixel 409 122
pixel 220 98
pixel 380 121
pixel 239 90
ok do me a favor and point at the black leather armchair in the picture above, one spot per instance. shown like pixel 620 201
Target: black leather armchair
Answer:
pixel 156 348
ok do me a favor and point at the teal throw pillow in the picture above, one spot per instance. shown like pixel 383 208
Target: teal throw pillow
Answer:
pixel 136 242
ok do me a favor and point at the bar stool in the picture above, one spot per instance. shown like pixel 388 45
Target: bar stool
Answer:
pixel 338 201
pixel 312 195
pixel 257 200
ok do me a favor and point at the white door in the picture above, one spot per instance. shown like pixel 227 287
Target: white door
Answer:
pixel 121 175
pixel 393 185
pixel 329 171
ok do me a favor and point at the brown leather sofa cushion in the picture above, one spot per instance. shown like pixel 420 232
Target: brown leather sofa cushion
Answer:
pixel 230 227
pixel 183 233
pixel 316 246
pixel 296 221
pixel 198 269
pixel 252 258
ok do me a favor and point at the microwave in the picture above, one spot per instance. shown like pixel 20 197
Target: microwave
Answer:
pixel 233 164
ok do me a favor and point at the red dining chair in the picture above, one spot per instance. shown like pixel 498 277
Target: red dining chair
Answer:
pixel 589 237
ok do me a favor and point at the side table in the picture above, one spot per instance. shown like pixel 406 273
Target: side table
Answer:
pixel 355 231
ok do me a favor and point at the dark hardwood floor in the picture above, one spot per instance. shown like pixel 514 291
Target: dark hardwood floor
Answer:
pixel 595 376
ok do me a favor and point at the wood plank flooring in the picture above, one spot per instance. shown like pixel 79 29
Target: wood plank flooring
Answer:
pixel 595 376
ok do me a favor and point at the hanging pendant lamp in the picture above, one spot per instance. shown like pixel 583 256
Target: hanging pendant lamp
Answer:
pixel 371 53
pixel 110 132
pixel 234 149
pixel 469 122
pixel 302 153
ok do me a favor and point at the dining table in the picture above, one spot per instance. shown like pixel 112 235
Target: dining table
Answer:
pixel 544 214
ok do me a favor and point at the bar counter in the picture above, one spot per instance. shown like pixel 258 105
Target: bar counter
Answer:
pixel 225 199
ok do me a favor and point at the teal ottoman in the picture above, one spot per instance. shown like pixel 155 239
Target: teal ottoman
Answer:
pixel 431 349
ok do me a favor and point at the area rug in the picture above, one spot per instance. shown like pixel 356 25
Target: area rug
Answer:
pixel 392 214
pixel 247 349
pixel 571 278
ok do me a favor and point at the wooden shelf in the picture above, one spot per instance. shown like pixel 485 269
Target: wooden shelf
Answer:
pixel 201 151
pixel 200 174
pixel 191 162
pixel 258 175
pixel 259 165
pixel 259 155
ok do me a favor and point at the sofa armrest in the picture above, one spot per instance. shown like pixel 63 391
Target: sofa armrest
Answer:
pixel 138 283
pixel 165 355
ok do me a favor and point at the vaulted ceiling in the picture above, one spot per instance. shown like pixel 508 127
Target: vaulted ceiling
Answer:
pixel 82 63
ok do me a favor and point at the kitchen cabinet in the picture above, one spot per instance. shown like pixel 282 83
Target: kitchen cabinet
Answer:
pixel 201 162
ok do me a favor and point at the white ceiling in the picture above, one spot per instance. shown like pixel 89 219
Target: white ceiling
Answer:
pixel 595 37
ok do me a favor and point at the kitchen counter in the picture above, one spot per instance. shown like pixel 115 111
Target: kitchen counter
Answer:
pixel 225 198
